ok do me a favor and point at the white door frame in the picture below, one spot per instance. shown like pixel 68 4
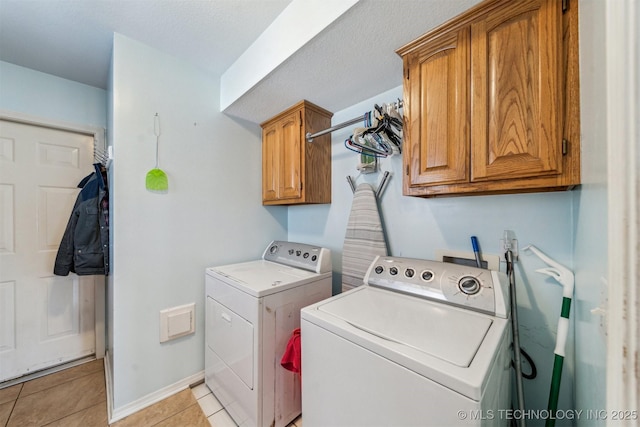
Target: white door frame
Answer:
pixel 99 140
pixel 623 106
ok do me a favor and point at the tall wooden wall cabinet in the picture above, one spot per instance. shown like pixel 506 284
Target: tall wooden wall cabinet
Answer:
pixel 491 101
pixel 295 171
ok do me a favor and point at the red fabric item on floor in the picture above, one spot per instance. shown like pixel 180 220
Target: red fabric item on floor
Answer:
pixel 292 357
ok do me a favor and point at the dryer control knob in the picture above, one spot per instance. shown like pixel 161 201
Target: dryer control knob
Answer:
pixel 409 272
pixel 469 285
pixel 393 271
pixel 379 269
pixel 427 275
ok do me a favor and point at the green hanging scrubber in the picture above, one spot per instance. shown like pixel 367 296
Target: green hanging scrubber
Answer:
pixel 156 178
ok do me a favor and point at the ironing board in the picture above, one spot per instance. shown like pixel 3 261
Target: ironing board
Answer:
pixel 364 238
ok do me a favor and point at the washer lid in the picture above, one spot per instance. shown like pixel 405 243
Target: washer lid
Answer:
pixel 450 334
pixel 260 278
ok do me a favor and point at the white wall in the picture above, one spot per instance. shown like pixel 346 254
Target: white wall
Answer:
pixel 211 215
pixel 590 212
pixel 42 95
pixel 418 227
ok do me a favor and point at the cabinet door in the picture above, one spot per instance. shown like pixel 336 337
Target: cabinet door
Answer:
pixel 270 162
pixel 516 99
pixel 437 144
pixel 291 154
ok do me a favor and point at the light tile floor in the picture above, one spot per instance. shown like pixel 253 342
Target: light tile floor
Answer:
pixel 76 397
pixel 73 397
pixel 214 411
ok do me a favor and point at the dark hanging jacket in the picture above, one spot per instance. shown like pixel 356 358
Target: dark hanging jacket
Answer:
pixel 84 249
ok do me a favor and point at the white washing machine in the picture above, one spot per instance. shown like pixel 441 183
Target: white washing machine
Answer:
pixel 252 308
pixel 423 343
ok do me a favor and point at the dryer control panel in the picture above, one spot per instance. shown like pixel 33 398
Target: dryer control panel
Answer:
pixel 299 255
pixel 468 287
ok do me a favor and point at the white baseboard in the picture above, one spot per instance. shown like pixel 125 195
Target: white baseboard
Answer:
pixel 116 414
pixel 108 375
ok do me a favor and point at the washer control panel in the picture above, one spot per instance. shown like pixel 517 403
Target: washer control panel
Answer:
pixel 299 255
pixel 469 287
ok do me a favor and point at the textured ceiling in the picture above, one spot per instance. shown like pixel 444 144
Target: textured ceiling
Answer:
pixel 352 60
pixel 73 38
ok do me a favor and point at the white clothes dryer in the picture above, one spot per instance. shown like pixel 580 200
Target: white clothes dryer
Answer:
pixel 423 343
pixel 252 308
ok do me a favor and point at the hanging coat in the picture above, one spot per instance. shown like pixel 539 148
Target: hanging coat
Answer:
pixel 84 248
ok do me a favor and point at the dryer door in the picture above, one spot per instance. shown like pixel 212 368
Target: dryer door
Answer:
pixel 231 337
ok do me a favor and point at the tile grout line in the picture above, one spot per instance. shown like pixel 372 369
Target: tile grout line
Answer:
pixel 52 386
pixel 215 412
pixel 11 413
pixel 72 413
pixel 48 390
pixel 174 414
pixel 15 402
pixel 162 420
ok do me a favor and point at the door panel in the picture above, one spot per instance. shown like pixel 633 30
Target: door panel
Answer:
pixel 516 108
pixel 270 163
pixel 439 138
pixel 232 339
pixel 291 157
pixel 7 316
pixel 45 319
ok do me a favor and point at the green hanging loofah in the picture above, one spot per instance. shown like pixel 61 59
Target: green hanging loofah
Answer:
pixel 157 180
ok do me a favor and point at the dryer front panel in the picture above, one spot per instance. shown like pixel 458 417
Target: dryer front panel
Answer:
pixel 231 337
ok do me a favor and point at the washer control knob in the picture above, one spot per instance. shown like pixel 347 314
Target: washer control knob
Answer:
pixel 427 275
pixel 306 255
pixel 314 258
pixel 393 271
pixel 469 285
pixel 298 253
pixel 290 251
pixel 409 272
pixel 379 269
pixel 273 249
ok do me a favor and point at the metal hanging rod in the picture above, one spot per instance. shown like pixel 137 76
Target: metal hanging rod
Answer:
pixel 397 104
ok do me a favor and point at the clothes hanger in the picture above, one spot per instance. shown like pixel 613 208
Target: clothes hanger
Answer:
pixel 350 144
pixel 388 126
pixel 368 143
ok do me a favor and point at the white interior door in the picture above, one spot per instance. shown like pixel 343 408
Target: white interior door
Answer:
pixel 45 320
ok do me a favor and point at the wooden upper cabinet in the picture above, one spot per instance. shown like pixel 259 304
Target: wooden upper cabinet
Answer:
pixel 437 107
pixel 270 162
pixel 295 171
pixel 491 101
pixel 516 103
pixel 290 169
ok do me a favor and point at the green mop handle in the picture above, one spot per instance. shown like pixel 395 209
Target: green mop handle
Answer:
pixel 564 276
pixel 563 332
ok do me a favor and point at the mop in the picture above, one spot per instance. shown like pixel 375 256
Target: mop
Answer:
pixel 564 276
